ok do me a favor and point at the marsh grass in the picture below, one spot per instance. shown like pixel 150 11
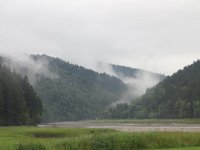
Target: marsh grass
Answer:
pixel 131 141
pixel 33 138
pixel 30 146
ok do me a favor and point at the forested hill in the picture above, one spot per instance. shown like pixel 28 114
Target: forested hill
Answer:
pixel 177 96
pixel 19 104
pixel 77 93
pixel 71 92
pixel 128 72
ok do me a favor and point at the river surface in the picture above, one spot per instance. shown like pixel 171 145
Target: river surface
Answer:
pixel 128 127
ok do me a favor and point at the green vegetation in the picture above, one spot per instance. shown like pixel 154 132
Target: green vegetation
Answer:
pixel 177 96
pixel 19 104
pixel 12 137
pixel 185 148
pixel 33 138
pixel 78 93
pixel 72 92
pixel 128 72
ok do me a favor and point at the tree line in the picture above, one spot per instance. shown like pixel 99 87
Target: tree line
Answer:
pixel 178 96
pixel 19 104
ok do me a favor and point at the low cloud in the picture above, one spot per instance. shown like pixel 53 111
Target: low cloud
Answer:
pixel 33 69
pixel 137 84
pixel 161 35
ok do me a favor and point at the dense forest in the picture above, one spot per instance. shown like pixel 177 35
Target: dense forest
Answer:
pixel 71 92
pixel 128 72
pixel 78 93
pixel 178 96
pixel 19 104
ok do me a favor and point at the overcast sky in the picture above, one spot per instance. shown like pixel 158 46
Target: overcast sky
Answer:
pixel 158 35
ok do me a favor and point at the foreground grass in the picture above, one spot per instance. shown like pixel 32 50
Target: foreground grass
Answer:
pixel 33 138
pixel 10 137
pixel 183 148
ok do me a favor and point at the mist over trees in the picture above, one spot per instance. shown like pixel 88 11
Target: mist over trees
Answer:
pixel 71 92
pixel 78 93
pixel 177 96
pixel 19 104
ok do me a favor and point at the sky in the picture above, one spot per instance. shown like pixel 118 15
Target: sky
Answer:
pixel 158 35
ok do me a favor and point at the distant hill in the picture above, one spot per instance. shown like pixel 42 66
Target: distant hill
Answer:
pixel 71 92
pixel 177 96
pixel 78 93
pixel 137 80
pixel 129 72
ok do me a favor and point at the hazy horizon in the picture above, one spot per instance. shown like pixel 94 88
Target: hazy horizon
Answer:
pixel 156 35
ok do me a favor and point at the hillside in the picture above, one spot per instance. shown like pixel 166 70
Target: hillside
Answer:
pixel 128 72
pixel 137 80
pixel 19 104
pixel 77 93
pixel 72 92
pixel 177 96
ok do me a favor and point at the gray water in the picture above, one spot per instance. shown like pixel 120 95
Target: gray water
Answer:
pixel 128 127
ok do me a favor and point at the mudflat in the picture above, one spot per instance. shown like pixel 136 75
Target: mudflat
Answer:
pixel 130 126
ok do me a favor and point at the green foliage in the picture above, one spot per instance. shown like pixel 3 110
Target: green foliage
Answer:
pixel 30 146
pixel 134 73
pixel 71 92
pixel 78 93
pixel 14 100
pixel 177 96
pixel 93 139
pixel 120 111
pixel 33 103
